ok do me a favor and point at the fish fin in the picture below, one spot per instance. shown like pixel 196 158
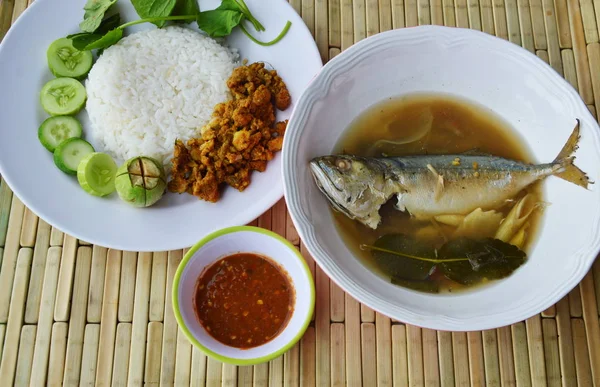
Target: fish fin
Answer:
pixel 567 170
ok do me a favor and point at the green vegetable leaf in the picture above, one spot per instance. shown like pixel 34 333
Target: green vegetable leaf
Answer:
pixel 154 8
pixel 185 7
pixel 94 13
pixel 109 24
pixel 488 258
pixel 86 41
pixel 399 256
pixel 466 261
pixel 218 23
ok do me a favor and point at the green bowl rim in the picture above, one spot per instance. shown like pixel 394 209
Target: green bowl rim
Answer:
pixel 188 334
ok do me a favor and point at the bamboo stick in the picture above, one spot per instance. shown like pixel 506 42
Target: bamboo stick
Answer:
pixel 353 361
pixel 62 307
pixel 596 275
pixel 245 376
pixel 575 302
pixel 476 364
pixel 399 356
pixel 552 35
pixel 537 25
pixel 58 349
pixel 46 318
pixel 338 365
pixel 359 17
pixel 487 16
pixel 565 343
pixel 335 37
pixel 562 20
pixel 90 355
pixel 500 19
pixel 570 72
pixel 505 355
pixel 590 28
pixel 29 229
pixel 369 359
pixel 445 358
pixel 291 367
pixel 521 354
pixel 431 369
pixel 474 11
pixel 121 356
pixel 158 288
pixel 366 314
pixel 38 265
pixel 397 14
pixel 550 312
pixel 383 332
pixel 415 355
pixel 347 25
pixel 307 359
pixel 423 12
pixel 322 328
pixel 229 377
pixel 108 328
pixel 261 375
pixel 411 13
pixel 5 198
pixel 140 319
pixel 78 316
pixel 18 8
pixel 183 362
pixel 57 237
pixel 551 356
pixel 291 233
pixel 337 303
pixel 297 5
pixel 25 357
pixel 594 58
pixel 278 211
pixel 372 17
pixel 490 357
pixel 579 49
pixel 6 9
pixel 385 15
pixel 525 24
pixel 9 258
pixel 15 316
pixel 308 15
pixel 276 371
pixel 94 306
pixel 153 353
pixel 592 109
pixel 167 364
pixel 461 352
pixel 582 360
pixel 592 328
pixel 462 13
pixel 535 343
pixel 449 13
pixel 198 368
pixel 321 37
pixel 127 286
pixel 2 332
pixel 512 22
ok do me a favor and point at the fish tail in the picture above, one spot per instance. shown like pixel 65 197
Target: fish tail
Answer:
pixel 565 168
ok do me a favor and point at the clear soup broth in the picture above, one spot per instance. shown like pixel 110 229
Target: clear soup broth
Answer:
pixel 456 126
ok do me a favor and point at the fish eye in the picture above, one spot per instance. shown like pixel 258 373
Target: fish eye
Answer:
pixel 342 165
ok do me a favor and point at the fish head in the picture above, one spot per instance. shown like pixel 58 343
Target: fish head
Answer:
pixel 353 185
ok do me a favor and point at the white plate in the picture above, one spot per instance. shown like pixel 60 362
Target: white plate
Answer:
pixel 539 104
pixel 177 221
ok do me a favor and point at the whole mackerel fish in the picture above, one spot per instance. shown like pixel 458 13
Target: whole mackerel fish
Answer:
pixel 427 186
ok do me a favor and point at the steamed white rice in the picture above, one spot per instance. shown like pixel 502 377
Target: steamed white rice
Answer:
pixel 156 86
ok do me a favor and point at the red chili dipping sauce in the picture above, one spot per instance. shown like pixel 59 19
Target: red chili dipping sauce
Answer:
pixel 244 300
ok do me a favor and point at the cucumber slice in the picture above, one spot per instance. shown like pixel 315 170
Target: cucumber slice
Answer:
pixel 96 174
pixel 69 154
pixel 64 60
pixel 63 97
pixel 55 130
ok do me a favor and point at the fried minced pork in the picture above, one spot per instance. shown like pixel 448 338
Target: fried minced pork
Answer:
pixel 241 137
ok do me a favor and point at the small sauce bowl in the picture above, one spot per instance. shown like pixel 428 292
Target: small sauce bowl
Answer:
pixel 226 242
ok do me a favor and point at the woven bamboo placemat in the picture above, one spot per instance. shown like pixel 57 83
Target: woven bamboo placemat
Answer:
pixel 75 314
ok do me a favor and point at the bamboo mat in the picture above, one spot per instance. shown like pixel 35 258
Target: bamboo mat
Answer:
pixel 75 314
